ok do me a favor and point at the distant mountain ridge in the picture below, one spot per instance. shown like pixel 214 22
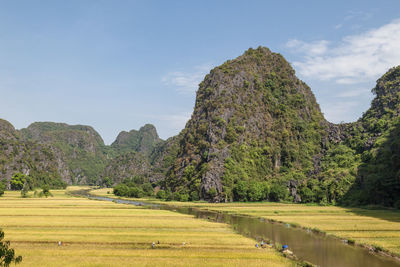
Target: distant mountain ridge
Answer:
pixel 78 153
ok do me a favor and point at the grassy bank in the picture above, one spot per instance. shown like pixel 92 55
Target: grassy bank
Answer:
pixel 379 228
pixel 99 233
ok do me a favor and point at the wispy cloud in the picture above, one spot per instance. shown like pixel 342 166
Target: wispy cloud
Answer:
pixel 356 58
pixel 186 82
pixel 311 49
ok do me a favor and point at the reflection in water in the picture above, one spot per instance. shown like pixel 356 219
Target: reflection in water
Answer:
pixel 315 248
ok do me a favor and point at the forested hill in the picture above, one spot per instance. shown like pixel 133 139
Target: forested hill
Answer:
pixel 376 138
pixel 28 158
pixel 256 133
pixel 58 154
pixel 253 123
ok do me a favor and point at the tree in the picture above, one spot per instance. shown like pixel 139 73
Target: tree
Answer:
pixel 18 181
pixel 278 192
pixel 46 191
pixel 107 182
pixel 2 188
pixel 148 189
pixel 7 254
pixel 240 191
pixel 161 194
pixel 256 191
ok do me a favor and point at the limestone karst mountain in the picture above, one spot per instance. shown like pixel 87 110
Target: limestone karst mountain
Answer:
pixel 256 133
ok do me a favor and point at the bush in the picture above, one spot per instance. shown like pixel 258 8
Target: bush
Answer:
pixel 307 195
pixel 184 197
pixel 17 181
pixel 256 192
pixel 2 188
pixel 135 191
pixel 240 191
pixel 121 190
pixel 161 194
pixel 278 192
pixel 148 189
pixel 194 196
pixel 106 182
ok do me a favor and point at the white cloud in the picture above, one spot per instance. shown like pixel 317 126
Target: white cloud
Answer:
pixel 362 57
pixel 310 49
pixel 186 82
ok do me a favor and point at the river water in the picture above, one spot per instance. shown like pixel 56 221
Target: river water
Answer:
pixel 315 248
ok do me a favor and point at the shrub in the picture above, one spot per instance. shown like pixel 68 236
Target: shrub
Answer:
pixel 121 190
pixel 194 196
pixel 240 191
pixel 148 189
pixel 278 192
pixel 212 192
pixel 17 181
pixel 256 192
pixel 161 194
pixel 2 188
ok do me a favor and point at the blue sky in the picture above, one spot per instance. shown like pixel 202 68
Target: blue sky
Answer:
pixel 116 65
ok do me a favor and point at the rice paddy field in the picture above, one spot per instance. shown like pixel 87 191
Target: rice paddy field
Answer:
pixel 375 227
pixel 100 233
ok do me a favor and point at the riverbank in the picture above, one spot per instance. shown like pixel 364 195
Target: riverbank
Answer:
pixel 376 229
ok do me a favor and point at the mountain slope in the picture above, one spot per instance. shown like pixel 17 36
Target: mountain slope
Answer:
pixel 253 121
pixel 143 140
pixel 376 137
pixel 27 157
pixel 80 147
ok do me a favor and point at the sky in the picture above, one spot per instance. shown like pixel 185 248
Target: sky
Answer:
pixel 117 65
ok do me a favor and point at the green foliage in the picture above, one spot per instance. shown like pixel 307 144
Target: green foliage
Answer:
pixel 106 182
pixel 161 194
pixel 194 196
pixel 7 254
pixel 2 188
pixel 24 192
pixel 18 181
pixel 256 192
pixel 148 189
pixel 212 192
pixel 278 192
pixel 136 187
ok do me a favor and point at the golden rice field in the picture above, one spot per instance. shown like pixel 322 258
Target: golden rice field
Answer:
pixel 373 227
pixel 100 233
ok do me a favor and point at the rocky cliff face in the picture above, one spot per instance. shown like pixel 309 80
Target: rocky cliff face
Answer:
pixel 376 138
pixel 27 157
pixel 138 153
pixel 144 140
pixel 253 120
pixel 80 151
